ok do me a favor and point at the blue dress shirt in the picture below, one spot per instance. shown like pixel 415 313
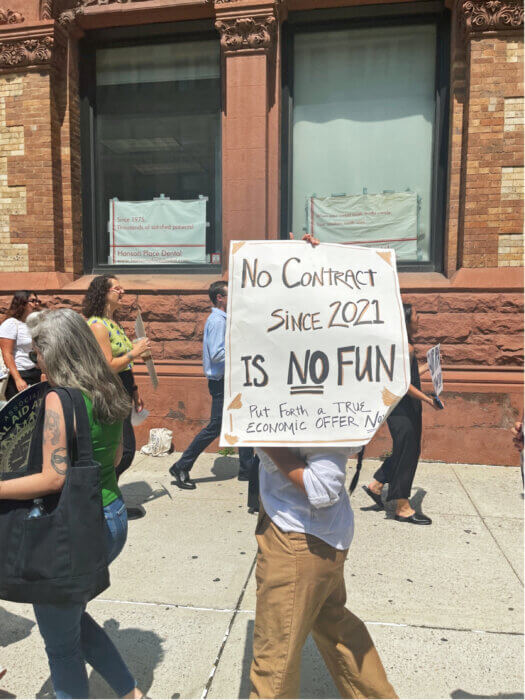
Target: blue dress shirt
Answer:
pixel 213 344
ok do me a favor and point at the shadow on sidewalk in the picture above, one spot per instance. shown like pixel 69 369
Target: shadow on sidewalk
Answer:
pixel 141 650
pixel 224 468
pixel 14 628
pixel 316 682
pixel 138 493
pixel 463 694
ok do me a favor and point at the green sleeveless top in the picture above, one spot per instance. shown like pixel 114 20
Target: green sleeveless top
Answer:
pixel 105 439
pixel 119 341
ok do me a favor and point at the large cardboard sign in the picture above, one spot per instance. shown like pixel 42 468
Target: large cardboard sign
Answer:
pixel 157 231
pixel 316 344
pixel 381 220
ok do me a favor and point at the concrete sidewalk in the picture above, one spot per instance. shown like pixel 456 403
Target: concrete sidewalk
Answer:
pixel 443 603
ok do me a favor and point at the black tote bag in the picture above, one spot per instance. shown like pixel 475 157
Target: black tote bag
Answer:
pixel 60 557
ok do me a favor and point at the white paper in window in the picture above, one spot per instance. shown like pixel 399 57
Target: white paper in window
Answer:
pixel 157 231
pixel 379 220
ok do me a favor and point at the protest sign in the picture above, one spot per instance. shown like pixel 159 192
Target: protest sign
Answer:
pixel 316 344
pixel 434 366
pixel 140 332
pixel 17 422
pixel 158 231
pixel 387 220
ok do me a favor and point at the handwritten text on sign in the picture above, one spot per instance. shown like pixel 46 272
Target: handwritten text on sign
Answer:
pixel 316 346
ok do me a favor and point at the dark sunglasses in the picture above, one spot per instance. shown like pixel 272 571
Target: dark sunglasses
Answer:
pixel 34 300
pixel 33 356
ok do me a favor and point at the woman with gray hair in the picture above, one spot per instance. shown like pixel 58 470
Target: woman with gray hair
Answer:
pixel 66 350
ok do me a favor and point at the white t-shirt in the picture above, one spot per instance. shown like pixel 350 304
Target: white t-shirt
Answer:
pixel 18 331
pixel 325 510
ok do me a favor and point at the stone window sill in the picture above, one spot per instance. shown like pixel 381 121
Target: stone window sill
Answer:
pixel 497 279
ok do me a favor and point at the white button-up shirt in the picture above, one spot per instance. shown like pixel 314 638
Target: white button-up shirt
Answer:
pixel 325 510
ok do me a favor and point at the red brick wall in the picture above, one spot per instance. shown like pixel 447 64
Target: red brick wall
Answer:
pixel 492 154
pixel 71 192
pixel 40 139
pixel 474 329
pixel 33 169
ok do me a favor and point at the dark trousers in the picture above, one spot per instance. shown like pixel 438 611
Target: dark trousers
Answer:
pixel 399 470
pixel 30 376
pixel 128 434
pixel 208 434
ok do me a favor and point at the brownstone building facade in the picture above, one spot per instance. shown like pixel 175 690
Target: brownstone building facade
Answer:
pixel 257 106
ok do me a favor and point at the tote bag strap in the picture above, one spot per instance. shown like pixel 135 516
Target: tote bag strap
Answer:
pixel 34 458
pixel 68 410
pixel 81 437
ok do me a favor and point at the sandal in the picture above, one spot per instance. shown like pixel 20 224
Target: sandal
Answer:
pixel 376 497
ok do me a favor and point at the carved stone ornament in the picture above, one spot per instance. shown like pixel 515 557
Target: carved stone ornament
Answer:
pixel 46 9
pixel 491 15
pixel 246 32
pixel 69 16
pixel 26 52
pixel 10 17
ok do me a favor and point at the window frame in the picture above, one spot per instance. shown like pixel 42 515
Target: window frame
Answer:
pixel 121 37
pixel 363 16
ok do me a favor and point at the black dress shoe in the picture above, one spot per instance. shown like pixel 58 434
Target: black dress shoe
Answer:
pixel 182 478
pixel 415 519
pixel 375 497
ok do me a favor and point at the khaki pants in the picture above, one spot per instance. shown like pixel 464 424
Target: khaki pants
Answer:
pixel 301 590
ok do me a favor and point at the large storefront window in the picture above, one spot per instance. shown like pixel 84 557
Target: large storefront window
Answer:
pixel 363 131
pixel 156 154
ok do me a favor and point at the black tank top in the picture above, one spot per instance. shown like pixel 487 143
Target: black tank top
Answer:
pixel 414 372
pixel 409 406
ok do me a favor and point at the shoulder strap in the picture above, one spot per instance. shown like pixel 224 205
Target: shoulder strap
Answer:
pixel 359 464
pixel 67 408
pixel 34 458
pixel 82 439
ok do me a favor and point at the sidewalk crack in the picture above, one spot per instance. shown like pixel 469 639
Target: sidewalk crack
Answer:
pixel 236 611
pixel 487 527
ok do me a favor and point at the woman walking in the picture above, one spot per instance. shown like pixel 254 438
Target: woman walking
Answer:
pixel 405 425
pixel 101 303
pixel 15 344
pixel 71 636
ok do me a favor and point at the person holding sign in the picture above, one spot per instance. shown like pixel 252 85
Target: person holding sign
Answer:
pixel 405 425
pixel 102 301
pixel 304 530
pixel 213 355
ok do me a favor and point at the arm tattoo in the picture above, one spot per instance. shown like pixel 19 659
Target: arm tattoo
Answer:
pixel 58 458
pixel 52 426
